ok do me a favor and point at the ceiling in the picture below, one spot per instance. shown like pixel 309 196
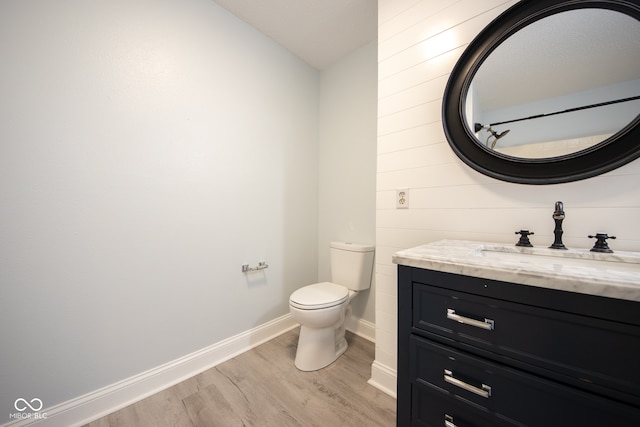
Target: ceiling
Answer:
pixel 318 31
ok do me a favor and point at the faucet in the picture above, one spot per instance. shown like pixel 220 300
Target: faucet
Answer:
pixel 558 217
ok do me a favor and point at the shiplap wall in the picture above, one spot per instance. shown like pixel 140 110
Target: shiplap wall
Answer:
pixel 418 45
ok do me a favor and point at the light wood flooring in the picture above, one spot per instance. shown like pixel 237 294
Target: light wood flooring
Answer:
pixel 262 387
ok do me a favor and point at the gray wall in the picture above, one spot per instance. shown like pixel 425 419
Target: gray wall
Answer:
pixel 147 149
pixel 347 152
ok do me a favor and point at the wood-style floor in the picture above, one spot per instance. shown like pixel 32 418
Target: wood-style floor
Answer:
pixel 262 387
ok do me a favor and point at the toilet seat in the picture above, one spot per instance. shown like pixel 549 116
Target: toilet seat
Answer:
pixel 319 295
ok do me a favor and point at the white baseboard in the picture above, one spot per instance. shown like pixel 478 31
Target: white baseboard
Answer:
pixel 362 328
pixel 99 403
pixel 384 378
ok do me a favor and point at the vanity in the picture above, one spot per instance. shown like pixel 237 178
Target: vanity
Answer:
pixel 499 335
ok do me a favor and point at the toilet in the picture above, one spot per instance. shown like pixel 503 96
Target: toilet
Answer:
pixel 322 309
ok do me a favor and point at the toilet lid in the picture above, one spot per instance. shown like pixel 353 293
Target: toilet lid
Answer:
pixel 319 295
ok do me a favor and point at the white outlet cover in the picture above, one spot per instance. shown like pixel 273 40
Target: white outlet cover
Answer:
pixel 402 198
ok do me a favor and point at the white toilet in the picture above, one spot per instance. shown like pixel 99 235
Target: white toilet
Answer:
pixel 322 309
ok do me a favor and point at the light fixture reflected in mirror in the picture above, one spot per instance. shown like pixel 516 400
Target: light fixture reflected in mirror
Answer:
pixel 496 136
pixel 478 127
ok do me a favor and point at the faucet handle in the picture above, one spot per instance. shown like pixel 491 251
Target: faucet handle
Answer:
pixel 601 243
pixel 524 238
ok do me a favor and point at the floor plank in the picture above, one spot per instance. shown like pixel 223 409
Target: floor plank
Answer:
pixel 262 387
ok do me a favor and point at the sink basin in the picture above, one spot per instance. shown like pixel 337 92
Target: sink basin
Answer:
pixel 559 258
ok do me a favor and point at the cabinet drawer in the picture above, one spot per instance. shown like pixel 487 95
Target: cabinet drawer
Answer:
pixel 471 385
pixel 595 354
pixel 437 409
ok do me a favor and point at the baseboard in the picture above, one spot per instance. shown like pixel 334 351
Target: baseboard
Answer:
pixel 362 328
pixel 383 378
pixel 94 405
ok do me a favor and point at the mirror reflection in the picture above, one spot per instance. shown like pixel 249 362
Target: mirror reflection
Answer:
pixel 558 86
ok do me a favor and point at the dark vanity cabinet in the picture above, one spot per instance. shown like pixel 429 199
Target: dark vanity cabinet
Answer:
pixel 479 352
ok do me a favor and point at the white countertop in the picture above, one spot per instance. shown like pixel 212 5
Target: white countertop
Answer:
pixel 614 275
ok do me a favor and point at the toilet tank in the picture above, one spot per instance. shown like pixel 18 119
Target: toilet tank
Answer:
pixel 352 265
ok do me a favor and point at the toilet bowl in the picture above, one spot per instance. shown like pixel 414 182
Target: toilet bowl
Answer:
pixel 322 309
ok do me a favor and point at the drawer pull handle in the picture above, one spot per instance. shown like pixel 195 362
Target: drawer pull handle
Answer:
pixel 448 421
pixel 486 324
pixel 485 391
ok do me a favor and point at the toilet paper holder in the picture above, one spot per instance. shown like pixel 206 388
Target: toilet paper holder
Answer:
pixel 261 266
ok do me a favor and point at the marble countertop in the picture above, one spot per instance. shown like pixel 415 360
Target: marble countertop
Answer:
pixel 614 275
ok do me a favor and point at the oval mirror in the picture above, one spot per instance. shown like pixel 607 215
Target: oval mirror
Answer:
pixel 549 92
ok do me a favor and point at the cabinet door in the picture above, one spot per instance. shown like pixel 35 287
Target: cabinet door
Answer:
pixel 509 395
pixel 595 354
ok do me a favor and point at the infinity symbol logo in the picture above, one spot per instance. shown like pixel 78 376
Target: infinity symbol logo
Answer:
pixel 23 402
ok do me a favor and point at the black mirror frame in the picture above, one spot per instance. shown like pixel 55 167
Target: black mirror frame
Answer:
pixel 621 148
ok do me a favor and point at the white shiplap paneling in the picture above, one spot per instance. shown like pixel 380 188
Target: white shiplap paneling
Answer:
pixel 419 43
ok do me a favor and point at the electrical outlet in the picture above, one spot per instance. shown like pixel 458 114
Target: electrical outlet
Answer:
pixel 402 198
